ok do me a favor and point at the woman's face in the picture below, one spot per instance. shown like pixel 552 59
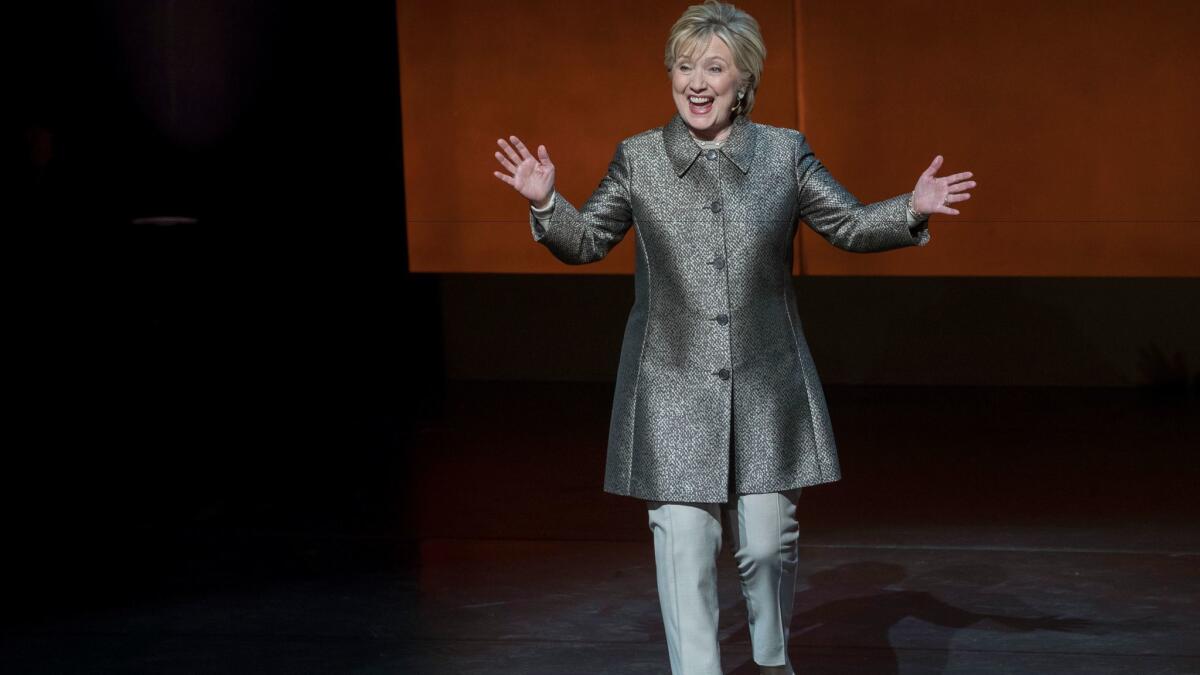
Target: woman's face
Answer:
pixel 705 89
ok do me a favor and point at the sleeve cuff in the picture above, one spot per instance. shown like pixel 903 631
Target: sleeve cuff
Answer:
pixel 539 219
pixel 546 211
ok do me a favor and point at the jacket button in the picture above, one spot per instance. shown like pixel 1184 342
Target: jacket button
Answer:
pixel 723 373
pixel 711 154
pixel 722 318
pixel 718 262
pixel 716 206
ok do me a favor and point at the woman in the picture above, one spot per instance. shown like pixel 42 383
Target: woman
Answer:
pixel 718 407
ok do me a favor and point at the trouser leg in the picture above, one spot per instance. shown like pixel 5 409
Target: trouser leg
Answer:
pixel 765 538
pixel 687 539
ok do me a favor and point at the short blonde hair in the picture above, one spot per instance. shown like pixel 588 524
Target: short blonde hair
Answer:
pixel 739 30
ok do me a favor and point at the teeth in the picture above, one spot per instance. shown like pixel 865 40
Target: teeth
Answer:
pixel 699 101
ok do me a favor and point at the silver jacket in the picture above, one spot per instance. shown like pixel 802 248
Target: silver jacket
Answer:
pixel 717 393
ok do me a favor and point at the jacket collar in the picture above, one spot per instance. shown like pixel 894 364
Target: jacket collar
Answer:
pixel 683 151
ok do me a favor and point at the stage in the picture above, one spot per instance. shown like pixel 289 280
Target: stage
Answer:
pixel 975 530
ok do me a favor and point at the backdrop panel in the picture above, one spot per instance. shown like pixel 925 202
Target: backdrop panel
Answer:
pixel 1077 117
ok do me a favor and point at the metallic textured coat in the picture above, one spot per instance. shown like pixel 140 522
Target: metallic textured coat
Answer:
pixel 717 393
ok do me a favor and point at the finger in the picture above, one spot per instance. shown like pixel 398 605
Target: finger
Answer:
pixel 503 177
pixel 512 154
pixel 933 166
pixel 509 166
pixel 957 177
pixel 525 154
pixel 966 185
pixel 543 154
pixel 958 197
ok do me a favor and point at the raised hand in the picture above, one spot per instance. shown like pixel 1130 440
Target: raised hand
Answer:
pixel 935 195
pixel 532 176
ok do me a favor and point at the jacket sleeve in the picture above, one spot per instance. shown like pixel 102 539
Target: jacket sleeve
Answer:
pixel 835 213
pixel 584 235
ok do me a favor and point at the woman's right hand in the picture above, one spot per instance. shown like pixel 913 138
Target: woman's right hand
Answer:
pixel 532 176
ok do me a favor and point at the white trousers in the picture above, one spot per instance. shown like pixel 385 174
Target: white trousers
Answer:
pixel 764 536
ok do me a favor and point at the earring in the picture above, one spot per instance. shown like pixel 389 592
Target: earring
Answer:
pixel 741 94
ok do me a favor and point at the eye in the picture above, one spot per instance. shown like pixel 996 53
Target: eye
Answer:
pixel 715 69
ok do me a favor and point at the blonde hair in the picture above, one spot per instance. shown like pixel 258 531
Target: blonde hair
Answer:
pixel 739 30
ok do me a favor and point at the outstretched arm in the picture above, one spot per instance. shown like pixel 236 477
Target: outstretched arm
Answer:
pixel 574 236
pixel 844 221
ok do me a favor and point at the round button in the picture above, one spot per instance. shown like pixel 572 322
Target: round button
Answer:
pixel 716 206
pixel 723 373
pixel 722 318
pixel 711 154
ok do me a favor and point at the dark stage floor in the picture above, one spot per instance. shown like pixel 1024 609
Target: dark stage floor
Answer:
pixel 974 531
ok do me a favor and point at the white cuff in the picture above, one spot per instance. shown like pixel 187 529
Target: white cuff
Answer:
pixel 541 213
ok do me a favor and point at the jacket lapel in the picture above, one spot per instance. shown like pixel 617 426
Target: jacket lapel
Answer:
pixel 683 151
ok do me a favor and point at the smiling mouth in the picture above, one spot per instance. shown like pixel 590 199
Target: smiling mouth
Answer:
pixel 700 105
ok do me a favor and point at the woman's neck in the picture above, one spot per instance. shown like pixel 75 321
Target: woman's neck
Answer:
pixel 718 137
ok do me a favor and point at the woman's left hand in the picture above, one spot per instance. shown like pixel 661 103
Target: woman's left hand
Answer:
pixel 934 195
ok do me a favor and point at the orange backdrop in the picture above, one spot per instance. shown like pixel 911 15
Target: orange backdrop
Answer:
pixel 1077 117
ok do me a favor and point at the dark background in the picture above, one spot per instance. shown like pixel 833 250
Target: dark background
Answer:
pixel 257 377
pixel 254 372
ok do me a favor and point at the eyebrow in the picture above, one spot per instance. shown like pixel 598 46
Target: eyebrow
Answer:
pixel 714 57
